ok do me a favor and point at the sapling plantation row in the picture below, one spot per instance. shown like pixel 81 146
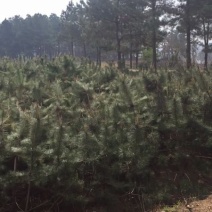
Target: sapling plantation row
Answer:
pixel 74 137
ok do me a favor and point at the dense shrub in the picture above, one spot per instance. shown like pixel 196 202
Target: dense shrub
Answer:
pixel 79 138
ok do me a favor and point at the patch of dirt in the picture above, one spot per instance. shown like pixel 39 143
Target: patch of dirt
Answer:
pixel 198 206
pixel 194 206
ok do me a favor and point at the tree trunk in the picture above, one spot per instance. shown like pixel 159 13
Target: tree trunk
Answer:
pixel 131 56
pixel 131 50
pixel 84 50
pixel 136 60
pixel 188 35
pixel 154 36
pixel 206 32
pixel 206 58
pixel 58 50
pixel 72 48
pixel 118 39
pixel 123 61
pixel 98 56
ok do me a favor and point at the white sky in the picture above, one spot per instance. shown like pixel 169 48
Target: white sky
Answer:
pixel 10 8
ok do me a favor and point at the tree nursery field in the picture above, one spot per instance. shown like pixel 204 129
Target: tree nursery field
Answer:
pixel 74 137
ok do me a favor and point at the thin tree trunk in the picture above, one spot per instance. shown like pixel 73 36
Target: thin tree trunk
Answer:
pixel 84 50
pixel 131 50
pixel 206 31
pixel 30 177
pixel 15 164
pixel 188 35
pixel 131 56
pixel 98 56
pixel 123 61
pixel 136 60
pixel 206 58
pixel 28 194
pixel 72 48
pixel 154 36
pixel 118 38
pixel 58 48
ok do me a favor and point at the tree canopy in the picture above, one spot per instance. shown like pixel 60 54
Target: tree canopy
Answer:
pixel 116 30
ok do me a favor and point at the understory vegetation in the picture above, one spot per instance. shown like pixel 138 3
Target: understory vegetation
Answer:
pixel 74 137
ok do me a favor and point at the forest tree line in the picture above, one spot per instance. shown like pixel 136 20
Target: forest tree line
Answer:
pixel 151 30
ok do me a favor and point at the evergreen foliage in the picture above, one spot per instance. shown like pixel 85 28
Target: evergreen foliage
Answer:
pixel 77 138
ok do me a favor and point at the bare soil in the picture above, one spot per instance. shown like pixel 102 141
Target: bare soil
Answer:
pixel 194 206
pixel 199 206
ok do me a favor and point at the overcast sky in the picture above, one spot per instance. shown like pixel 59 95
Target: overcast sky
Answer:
pixel 10 8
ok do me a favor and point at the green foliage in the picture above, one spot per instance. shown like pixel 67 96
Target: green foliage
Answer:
pixel 147 56
pixel 95 139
